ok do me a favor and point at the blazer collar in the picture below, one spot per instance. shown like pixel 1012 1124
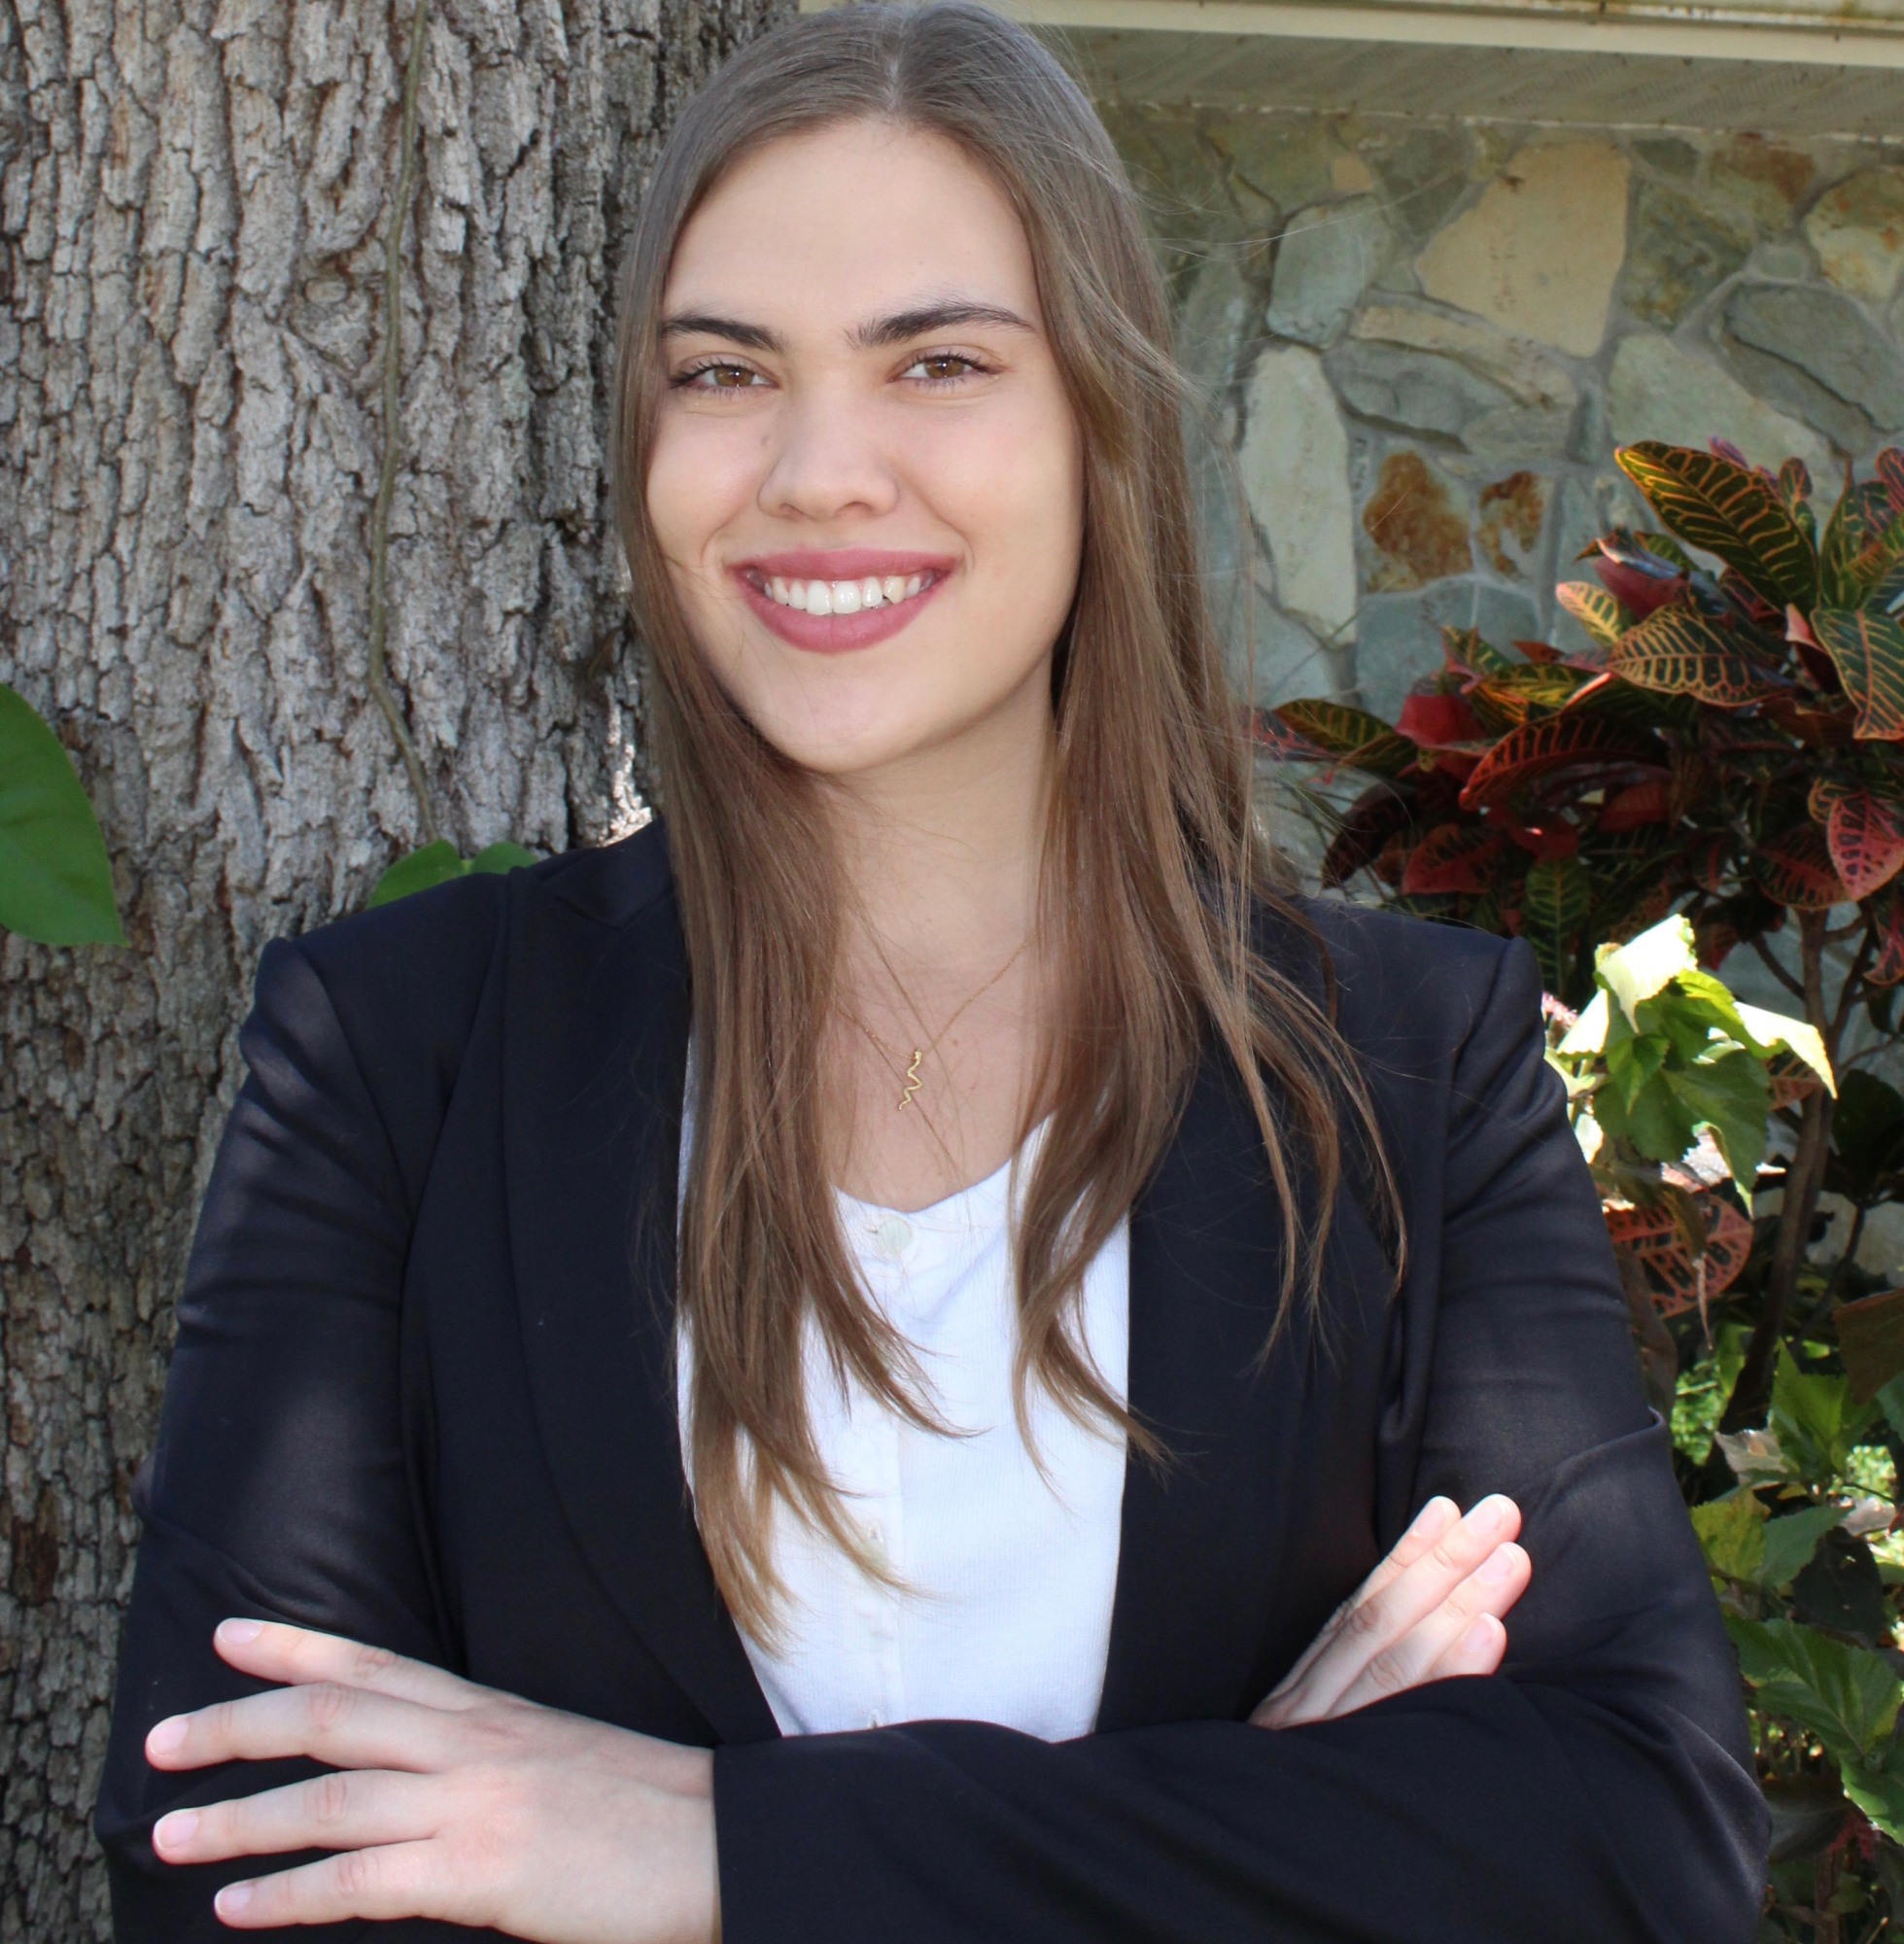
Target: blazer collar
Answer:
pixel 595 1033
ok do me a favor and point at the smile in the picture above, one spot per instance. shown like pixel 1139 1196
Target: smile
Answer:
pixel 842 597
pixel 869 594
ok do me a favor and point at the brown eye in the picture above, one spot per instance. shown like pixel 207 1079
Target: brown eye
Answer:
pixel 941 368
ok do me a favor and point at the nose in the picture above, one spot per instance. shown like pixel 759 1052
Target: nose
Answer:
pixel 826 462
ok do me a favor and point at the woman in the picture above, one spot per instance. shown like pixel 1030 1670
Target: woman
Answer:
pixel 1089 1265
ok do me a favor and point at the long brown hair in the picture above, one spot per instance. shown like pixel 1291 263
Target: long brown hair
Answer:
pixel 1154 868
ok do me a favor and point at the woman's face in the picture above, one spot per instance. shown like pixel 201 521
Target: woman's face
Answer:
pixel 866 478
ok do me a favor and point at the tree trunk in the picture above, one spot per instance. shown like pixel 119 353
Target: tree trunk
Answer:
pixel 194 196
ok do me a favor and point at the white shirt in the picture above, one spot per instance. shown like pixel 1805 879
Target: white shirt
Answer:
pixel 1009 1576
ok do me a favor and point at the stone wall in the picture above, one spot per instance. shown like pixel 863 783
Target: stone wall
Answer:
pixel 1421 342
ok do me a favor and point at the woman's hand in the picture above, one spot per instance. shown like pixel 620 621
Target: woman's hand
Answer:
pixel 454 1802
pixel 1431 1609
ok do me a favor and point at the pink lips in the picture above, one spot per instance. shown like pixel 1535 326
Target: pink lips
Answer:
pixel 839 633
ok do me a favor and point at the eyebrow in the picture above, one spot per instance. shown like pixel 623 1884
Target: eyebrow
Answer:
pixel 897 328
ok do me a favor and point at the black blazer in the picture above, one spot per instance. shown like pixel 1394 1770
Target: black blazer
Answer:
pixel 422 1396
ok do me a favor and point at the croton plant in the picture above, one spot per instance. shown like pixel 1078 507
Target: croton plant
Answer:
pixel 1717 759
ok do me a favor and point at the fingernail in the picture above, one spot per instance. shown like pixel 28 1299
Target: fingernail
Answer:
pixel 1490 1514
pixel 1434 1513
pixel 232 1900
pixel 167 1736
pixel 239 1632
pixel 176 1828
pixel 1503 1563
pixel 1480 1636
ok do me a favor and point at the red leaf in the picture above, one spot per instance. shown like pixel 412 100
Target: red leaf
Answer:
pixel 1649 802
pixel 1376 816
pixel 1866 838
pixel 1795 868
pixel 1438 721
pixel 1283 742
pixel 1886 915
pixel 1542 652
pixel 1540 841
pixel 1637 592
pixel 1552 742
pixel 1707 861
pixel 1454 857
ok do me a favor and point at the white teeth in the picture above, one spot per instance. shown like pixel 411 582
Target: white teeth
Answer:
pixel 842 597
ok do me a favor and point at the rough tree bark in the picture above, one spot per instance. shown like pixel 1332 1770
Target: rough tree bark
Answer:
pixel 193 201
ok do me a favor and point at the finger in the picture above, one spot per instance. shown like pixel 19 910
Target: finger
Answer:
pixel 346 1810
pixel 348 1727
pixel 1376 1622
pixel 1428 1525
pixel 1478 1651
pixel 396 1880
pixel 1491 1589
pixel 275 1652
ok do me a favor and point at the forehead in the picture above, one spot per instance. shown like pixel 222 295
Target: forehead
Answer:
pixel 833 225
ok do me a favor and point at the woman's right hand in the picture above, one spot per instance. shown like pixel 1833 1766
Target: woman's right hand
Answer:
pixel 1431 1609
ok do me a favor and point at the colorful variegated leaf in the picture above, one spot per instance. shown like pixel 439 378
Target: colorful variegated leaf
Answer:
pixel 1554 911
pixel 1554 742
pixel 1463 647
pixel 1890 470
pixel 1796 868
pixel 1728 511
pixel 1866 646
pixel 1351 737
pixel 1796 486
pixel 1864 537
pixel 1594 608
pixel 1681 651
pixel 1522 691
pixel 1656 1241
pixel 1826 794
pixel 1866 838
pixel 1454 857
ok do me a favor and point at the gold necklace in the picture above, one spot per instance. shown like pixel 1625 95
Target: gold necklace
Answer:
pixel 911 1083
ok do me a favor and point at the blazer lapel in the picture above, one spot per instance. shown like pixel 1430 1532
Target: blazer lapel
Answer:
pixel 1237 1548
pixel 596 1039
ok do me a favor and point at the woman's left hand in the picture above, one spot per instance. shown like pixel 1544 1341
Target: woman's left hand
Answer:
pixel 451 1801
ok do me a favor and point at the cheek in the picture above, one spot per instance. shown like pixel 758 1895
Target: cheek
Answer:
pixel 698 476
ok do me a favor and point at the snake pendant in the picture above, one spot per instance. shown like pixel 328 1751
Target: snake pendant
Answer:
pixel 913 1082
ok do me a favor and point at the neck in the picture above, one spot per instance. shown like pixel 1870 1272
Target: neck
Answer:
pixel 941 854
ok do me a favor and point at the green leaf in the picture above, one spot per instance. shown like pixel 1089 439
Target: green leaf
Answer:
pixel 1816 1420
pixel 1848 1696
pixel 1788 1544
pixel 1732 1536
pixel 1730 511
pixel 1866 646
pixel 502 856
pixel 56 881
pixel 438 862
pixel 1733 1097
pixel 434 864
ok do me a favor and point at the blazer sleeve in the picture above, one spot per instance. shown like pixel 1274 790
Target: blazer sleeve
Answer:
pixel 279 1487
pixel 1598 1789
